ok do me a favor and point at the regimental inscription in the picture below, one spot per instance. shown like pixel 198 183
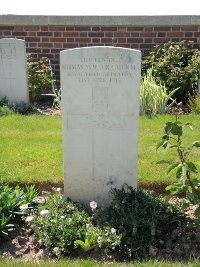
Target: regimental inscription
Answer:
pixel 99 121
pixel 100 70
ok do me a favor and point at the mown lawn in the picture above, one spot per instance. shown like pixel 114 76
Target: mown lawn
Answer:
pixel 91 263
pixel 31 148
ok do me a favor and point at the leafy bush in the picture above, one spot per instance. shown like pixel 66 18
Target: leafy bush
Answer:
pixel 7 108
pixel 153 96
pixel 20 107
pixel 176 65
pixel 39 76
pixel 10 201
pixel 140 217
pixel 194 103
pixel 62 227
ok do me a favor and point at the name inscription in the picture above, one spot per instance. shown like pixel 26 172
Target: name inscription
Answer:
pixel 100 70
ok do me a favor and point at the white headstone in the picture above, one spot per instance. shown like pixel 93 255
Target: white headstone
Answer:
pixel 100 111
pixel 13 70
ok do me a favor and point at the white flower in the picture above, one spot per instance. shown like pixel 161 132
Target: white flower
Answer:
pixel 24 207
pixel 87 226
pixel 100 241
pixel 58 189
pixel 113 230
pixel 29 219
pixel 44 212
pixel 93 205
pixel 39 200
pixel 56 250
pixel 70 220
pixel 62 217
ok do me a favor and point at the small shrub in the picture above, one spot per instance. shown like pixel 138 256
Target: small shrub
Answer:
pixel 140 217
pixel 39 76
pixel 154 98
pixel 20 107
pixel 177 65
pixel 4 102
pixel 63 227
pixel 186 171
pixel 5 110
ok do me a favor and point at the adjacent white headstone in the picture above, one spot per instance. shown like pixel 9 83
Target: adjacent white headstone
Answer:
pixel 100 107
pixel 13 70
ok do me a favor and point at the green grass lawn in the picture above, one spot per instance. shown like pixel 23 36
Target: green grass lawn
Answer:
pixel 91 263
pixel 31 148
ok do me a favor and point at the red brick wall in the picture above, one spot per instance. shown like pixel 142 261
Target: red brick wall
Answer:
pixel 49 40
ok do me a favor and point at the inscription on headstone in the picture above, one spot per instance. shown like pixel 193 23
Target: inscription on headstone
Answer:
pixel 13 70
pixel 100 107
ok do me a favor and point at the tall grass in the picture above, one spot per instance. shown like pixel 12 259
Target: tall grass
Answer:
pixel 154 98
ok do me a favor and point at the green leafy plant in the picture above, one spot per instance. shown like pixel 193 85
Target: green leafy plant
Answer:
pixel 177 65
pixel 39 76
pixel 90 239
pixel 4 102
pixel 71 229
pixel 138 216
pixel 186 171
pixel 154 98
pixel 5 110
pixel 10 201
pixel 20 107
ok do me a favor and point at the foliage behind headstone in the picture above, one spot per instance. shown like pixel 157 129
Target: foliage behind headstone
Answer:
pixel 176 65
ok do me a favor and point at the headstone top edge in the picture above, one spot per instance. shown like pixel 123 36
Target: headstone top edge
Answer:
pixel 11 39
pixel 100 47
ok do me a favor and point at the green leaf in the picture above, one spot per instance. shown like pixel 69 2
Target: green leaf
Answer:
pixel 176 129
pixel 180 174
pixel 174 189
pixel 165 137
pixel 189 125
pixel 172 166
pixel 162 143
pixel 168 127
pixel 196 144
pixel 164 161
pixel 190 166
